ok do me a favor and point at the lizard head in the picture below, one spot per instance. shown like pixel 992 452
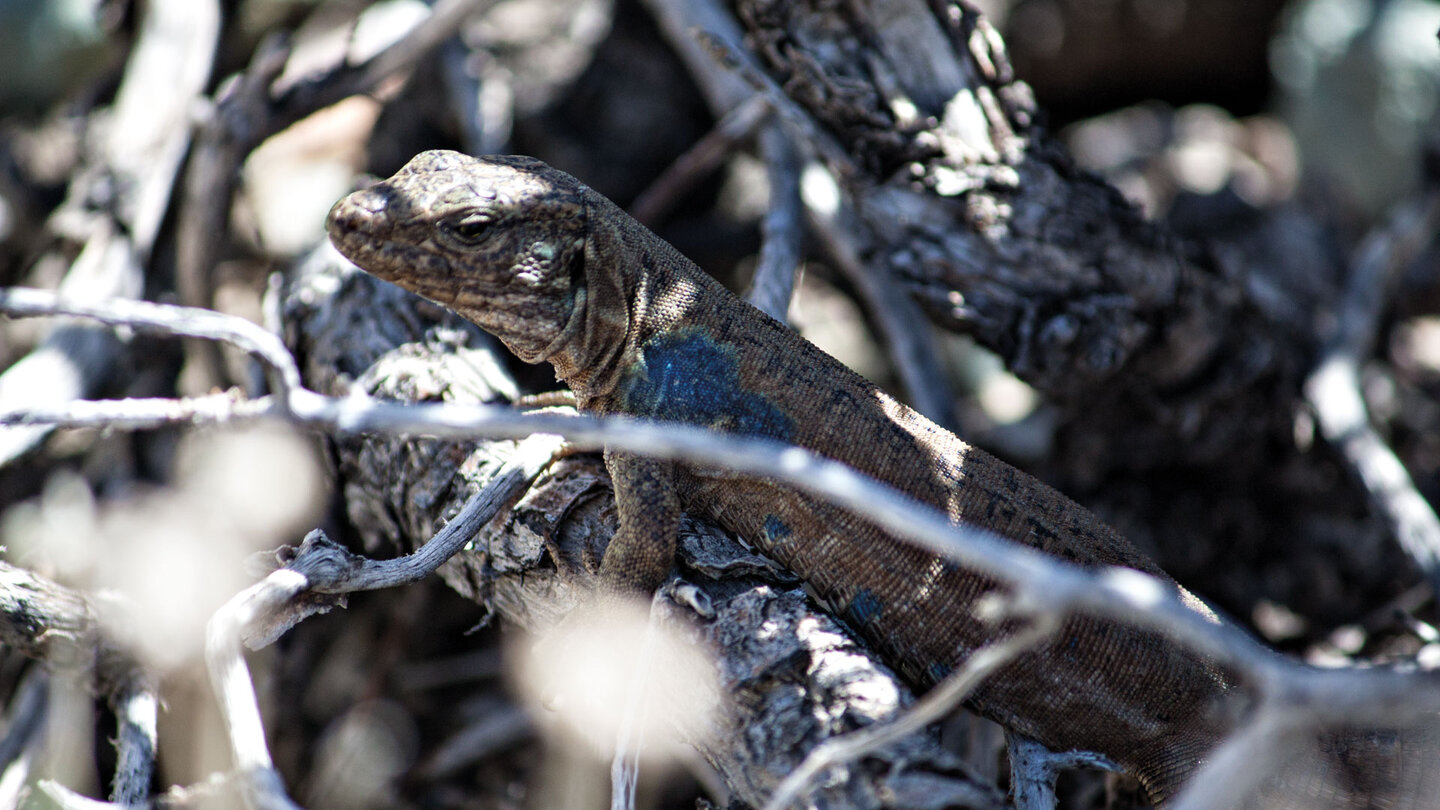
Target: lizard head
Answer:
pixel 498 239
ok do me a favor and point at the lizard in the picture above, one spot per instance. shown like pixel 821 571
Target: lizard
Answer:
pixel 560 274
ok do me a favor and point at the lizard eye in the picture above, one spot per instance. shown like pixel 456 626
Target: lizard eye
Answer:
pixel 470 230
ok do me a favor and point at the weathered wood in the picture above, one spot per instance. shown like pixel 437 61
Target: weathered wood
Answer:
pixel 973 207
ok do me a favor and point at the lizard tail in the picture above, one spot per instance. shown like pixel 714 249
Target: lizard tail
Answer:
pixel 1165 770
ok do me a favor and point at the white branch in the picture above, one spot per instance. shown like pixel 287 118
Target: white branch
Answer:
pixel 1333 389
pixel 166 319
pixel 1041 585
pixel 937 703
pixel 1121 594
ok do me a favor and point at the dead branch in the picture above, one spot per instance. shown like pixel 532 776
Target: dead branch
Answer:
pixel 1334 392
pixel 140 152
pixel 781 229
pixel 248 109
pixel 698 161
pixel 59 627
pixel 1040 584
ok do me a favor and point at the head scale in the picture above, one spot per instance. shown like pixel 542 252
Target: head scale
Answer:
pixel 499 239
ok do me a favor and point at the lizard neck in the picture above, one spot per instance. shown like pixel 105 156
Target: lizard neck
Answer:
pixel 616 301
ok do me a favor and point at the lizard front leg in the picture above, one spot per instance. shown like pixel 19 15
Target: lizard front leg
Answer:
pixel 643 550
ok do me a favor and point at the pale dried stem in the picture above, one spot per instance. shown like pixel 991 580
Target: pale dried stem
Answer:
pixel 1245 759
pixel 782 231
pixel 164 319
pixel 912 351
pixel 70 800
pixel 135 745
pixel 698 161
pixel 945 698
pixel 1045 586
pixel 24 717
pixel 1334 388
pixel 1034 769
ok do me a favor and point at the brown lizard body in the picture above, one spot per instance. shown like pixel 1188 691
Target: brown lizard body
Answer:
pixel 560 274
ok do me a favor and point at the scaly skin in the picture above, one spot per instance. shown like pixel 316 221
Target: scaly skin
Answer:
pixel 562 275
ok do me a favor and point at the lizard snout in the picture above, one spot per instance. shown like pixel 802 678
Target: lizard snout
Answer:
pixel 362 212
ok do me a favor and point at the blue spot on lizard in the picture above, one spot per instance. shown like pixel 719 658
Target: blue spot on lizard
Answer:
pixel 685 376
pixel 777 533
pixel 864 608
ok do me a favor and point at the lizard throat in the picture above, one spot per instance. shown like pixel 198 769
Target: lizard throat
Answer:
pixel 569 337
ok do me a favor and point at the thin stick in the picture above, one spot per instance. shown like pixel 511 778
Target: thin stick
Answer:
pixel 1236 768
pixel 230 679
pixel 698 161
pixel 1333 389
pixel 1375 696
pixel 782 230
pixel 937 703
pixel 135 745
pixel 165 319
pixel 1034 769
pixel 25 716
pixel 629 737
pixel 912 351
pixel 330 569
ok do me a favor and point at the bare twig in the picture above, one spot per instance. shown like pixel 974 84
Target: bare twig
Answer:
pixel 1122 594
pixel 70 800
pixel 707 39
pixel 56 625
pixel 230 678
pixel 783 228
pixel 629 736
pixel 1334 392
pixel 1034 768
pixel 24 717
pixel 728 54
pixel 165 319
pixel 912 351
pixel 330 569
pixel 1313 698
pixel 698 161
pixel 222 142
pixel 679 20
pixel 135 711
pixel 1243 761
pixel 59 627
pixel 147 413
pixel 937 703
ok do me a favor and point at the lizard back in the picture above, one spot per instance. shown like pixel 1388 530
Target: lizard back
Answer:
pixel 699 355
